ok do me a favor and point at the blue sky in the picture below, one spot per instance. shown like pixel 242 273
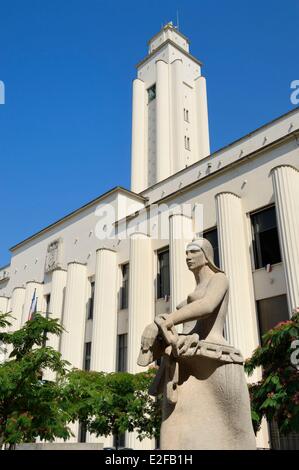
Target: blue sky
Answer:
pixel 68 65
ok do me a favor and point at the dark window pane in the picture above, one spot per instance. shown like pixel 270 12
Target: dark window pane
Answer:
pixel 87 356
pixel 122 349
pixel 48 299
pixel 272 311
pixel 151 92
pixel 124 290
pixel 163 280
pixel 91 301
pixel 119 441
pixel 212 237
pixel 82 432
pixel 265 238
pixel 282 442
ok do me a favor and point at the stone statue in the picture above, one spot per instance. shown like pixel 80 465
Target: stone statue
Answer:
pixel 201 376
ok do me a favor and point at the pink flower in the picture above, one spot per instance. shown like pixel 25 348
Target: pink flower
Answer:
pixel 287 322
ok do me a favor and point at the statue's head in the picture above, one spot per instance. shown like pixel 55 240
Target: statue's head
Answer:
pixel 199 253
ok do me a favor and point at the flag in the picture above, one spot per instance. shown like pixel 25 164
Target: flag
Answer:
pixel 33 306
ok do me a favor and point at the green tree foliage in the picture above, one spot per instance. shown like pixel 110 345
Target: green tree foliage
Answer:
pixel 276 395
pixel 32 408
pixel 29 406
pixel 113 403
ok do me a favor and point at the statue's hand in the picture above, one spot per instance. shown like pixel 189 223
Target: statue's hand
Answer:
pixel 149 335
pixel 186 342
pixel 148 351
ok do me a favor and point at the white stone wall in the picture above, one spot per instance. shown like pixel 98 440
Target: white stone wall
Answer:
pixel 250 174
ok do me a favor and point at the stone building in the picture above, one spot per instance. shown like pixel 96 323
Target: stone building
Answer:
pixel 107 268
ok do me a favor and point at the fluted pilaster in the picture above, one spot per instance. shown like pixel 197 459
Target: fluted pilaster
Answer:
pixel 241 325
pixel 141 311
pixel 74 315
pixel 58 287
pixel 202 117
pixel 181 279
pixel 162 120
pixel 286 192
pixel 178 117
pixel 104 331
pixel 3 309
pixel 3 304
pixel 17 305
pixel 139 160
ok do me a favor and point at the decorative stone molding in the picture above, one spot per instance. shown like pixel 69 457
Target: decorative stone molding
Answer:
pixel 54 255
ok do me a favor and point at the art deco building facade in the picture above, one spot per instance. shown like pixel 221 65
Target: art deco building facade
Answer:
pixel 105 289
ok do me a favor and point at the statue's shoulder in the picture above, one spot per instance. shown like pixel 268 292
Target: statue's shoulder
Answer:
pixel 221 278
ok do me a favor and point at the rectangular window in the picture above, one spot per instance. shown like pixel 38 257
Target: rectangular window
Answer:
pixel 82 432
pixel 187 143
pixel 124 290
pixel 48 299
pixel 91 301
pixel 151 93
pixel 87 356
pixel 272 311
pixel 163 278
pixel 283 442
pixel 265 238
pixel 212 237
pixel 47 302
pixel 122 352
pixel 186 115
pixel 119 441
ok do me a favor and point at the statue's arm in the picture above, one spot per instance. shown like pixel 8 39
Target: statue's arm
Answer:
pixel 181 304
pixel 204 307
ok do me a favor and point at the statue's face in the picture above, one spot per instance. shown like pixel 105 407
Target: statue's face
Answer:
pixel 195 259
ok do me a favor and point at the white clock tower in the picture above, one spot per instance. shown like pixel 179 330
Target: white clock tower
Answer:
pixel 170 117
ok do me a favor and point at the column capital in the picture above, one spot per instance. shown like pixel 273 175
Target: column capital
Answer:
pixel 34 282
pixel 76 262
pixel 135 80
pixel 181 215
pixel 283 165
pixel 139 234
pixel 227 192
pixel 104 248
pixel 58 269
pixel 18 287
pixel 175 60
pixel 161 60
pixel 202 77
